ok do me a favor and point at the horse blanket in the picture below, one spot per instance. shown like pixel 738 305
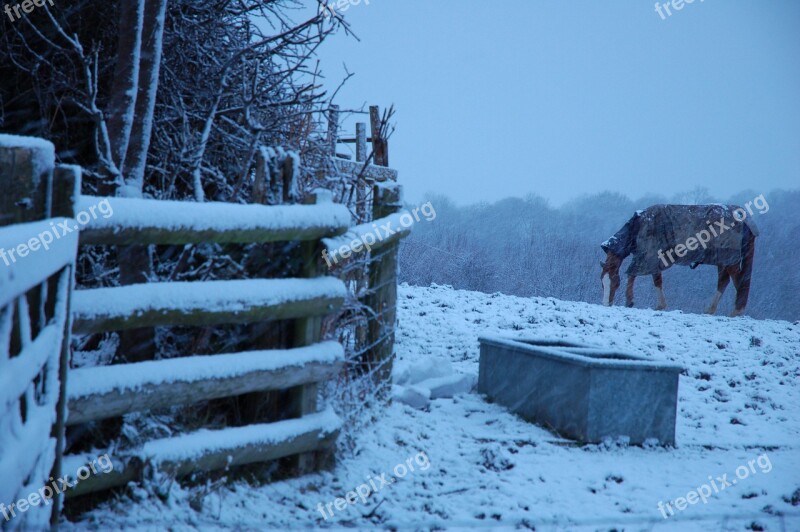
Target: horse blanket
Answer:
pixel 704 234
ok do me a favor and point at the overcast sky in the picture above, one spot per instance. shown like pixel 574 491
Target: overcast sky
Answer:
pixel 504 98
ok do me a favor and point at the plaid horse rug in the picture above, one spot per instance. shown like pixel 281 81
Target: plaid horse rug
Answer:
pixel 653 234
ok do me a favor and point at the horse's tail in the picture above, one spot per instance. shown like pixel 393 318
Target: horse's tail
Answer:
pixel 745 268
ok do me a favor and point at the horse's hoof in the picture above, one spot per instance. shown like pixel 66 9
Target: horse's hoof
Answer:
pixel 661 307
pixel 737 313
pixel 629 305
pixel 711 311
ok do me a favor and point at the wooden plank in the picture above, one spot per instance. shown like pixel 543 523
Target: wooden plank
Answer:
pixel 203 303
pixel 107 391
pixel 210 450
pixel 147 221
pixel 353 140
pixel 373 172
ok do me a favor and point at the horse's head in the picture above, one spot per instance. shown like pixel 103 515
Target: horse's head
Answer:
pixel 609 277
pixel 616 249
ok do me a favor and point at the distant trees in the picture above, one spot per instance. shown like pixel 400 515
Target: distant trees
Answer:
pixel 526 247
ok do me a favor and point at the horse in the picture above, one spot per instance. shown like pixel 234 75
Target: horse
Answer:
pixel 688 235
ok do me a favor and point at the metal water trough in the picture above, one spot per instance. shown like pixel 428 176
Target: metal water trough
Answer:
pixel 581 392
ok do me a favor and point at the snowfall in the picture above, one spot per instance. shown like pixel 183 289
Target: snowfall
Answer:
pixel 477 465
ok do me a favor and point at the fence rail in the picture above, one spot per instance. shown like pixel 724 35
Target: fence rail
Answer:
pixel 148 221
pixel 109 391
pixel 203 303
pixel 211 450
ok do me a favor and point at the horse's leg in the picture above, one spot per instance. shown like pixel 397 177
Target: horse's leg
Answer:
pixel 610 278
pixel 610 285
pixel 736 277
pixel 629 291
pixel 743 276
pixel 658 281
pixel 723 278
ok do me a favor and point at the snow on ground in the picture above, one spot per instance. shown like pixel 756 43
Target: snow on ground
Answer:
pixel 484 467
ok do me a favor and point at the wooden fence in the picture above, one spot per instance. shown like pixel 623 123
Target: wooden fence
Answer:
pixel 40 395
pixel 109 391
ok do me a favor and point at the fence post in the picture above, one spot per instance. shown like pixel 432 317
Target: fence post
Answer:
pixel 333 129
pixel 382 294
pixel 27 180
pixel 361 142
pixel 380 148
pixel 308 331
pixel 66 188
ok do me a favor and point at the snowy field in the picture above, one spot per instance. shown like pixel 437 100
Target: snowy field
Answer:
pixel 483 467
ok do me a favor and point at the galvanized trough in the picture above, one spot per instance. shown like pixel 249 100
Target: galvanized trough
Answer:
pixel 580 392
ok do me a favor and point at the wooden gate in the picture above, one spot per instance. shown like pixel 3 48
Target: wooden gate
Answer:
pixel 37 255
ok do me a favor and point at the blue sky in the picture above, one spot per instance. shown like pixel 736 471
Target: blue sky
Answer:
pixel 557 98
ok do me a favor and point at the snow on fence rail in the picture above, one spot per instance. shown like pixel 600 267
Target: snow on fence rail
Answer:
pixel 148 221
pixel 203 303
pixel 98 393
pixel 209 450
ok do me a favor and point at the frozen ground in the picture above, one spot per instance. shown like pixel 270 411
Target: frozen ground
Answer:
pixel 483 467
